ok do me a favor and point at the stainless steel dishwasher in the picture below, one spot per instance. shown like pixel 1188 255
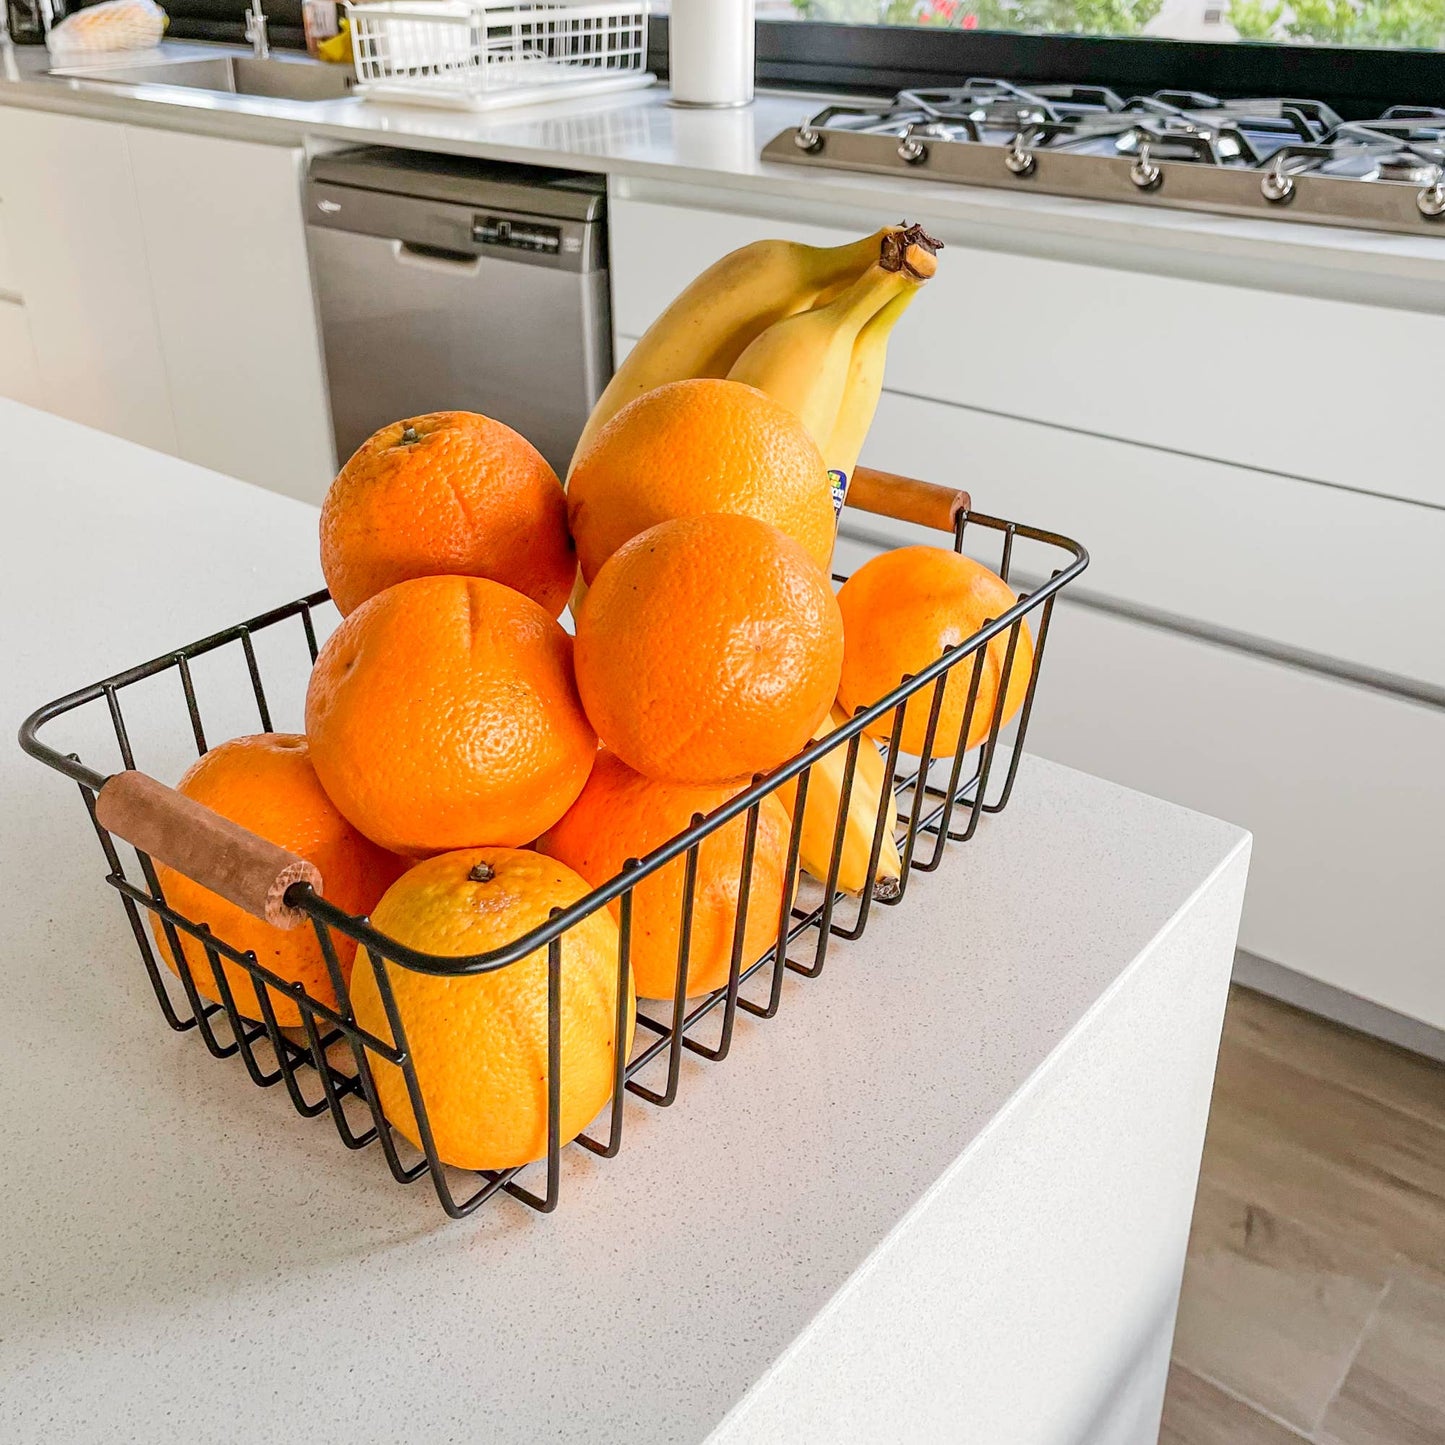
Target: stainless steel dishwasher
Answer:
pixel 446 284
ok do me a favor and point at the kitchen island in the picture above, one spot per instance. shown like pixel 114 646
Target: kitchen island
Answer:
pixel 944 1195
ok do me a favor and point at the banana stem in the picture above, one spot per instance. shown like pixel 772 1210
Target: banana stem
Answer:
pixel 911 249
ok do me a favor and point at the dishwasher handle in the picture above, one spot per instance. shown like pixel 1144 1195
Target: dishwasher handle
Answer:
pixel 435 258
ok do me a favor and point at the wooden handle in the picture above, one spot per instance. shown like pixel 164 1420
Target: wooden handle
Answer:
pixel 218 854
pixel 886 494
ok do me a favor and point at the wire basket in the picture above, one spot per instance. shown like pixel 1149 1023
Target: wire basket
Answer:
pixel 327 1065
pixel 473 55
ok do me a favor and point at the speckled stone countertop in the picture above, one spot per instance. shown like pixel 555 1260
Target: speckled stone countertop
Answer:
pixel 183 1258
pixel 637 135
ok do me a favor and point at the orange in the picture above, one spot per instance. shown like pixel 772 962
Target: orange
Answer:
pixel 443 714
pixel 452 493
pixel 901 611
pixel 266 783
pixel 479 1041
pixel 623 815
pixel 699 446
pixel 708 649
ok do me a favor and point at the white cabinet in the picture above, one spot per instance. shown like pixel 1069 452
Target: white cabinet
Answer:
pixel 1318 569
pixel 1158 417
pixel 1341 786
pixel 226 242
pixel 19 370
pixel 9 281
pixel 78 256
pixel 19 366
pixel 167 293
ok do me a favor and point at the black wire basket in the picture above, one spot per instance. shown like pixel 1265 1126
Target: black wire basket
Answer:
pixel 326 1065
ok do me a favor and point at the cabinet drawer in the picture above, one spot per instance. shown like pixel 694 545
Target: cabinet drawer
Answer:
pixel 1191 365
pixel 225 240
pixel 1311 567
pixel 19 370
pixel 74 228
pixel 1341 787
pixel 9 277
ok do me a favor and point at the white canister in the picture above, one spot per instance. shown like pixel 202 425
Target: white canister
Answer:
pixel 710 52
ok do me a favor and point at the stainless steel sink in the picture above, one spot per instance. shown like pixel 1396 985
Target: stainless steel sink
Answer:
pixel 231 74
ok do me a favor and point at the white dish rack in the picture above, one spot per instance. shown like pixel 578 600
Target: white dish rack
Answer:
pixel 474 55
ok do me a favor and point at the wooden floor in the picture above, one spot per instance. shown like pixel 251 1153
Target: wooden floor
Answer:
pixel 1314 1297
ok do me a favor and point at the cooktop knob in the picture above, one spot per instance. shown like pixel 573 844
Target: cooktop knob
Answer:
pixel 1276 185
pixel 1020 161
pixel 1144 173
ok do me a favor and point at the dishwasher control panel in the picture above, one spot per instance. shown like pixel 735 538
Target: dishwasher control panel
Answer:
pixel 465 213
pixel 517 235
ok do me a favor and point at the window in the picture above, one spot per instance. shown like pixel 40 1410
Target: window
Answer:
pixel 226 20
pixel 1394 24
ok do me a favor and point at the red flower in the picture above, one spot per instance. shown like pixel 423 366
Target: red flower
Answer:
pixel 970 22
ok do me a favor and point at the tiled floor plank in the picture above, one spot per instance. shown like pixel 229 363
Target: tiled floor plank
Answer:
pixel 1199 1413
pixel 1310 1150
pixel 1394 1393
pixel 1321 1215
pixel 1408 1082
pixel 1272 1310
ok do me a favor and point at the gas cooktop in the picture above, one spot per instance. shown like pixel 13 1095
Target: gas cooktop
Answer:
pixel 1274 156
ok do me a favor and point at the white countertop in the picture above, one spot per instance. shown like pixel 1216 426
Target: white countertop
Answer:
pixel 638 134
pixel 180 1252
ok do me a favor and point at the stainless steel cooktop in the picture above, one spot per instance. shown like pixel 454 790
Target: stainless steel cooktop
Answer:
pixel 1267 157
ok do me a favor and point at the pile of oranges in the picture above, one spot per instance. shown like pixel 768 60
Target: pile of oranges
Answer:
pixel 469 767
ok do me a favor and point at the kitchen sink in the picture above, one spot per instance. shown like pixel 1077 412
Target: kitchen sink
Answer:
pixel 231 74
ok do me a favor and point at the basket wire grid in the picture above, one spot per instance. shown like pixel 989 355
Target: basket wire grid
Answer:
pixel 455 51
pixel 326 1066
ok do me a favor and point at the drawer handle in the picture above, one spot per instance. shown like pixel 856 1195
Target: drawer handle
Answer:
pixel 218 854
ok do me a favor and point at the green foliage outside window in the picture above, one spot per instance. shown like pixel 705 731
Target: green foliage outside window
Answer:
pixel 1255 19
pixel 1395 23
pixel 1084 17
pixel 1080 17
pixel 861 12
pixel 1342 22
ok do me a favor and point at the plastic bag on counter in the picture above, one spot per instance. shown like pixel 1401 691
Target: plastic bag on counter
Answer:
pixel 111 26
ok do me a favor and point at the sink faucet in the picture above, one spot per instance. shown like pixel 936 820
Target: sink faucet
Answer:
pixel 256 30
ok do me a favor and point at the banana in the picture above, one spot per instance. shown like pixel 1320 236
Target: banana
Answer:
pixel 820 816
pixel 805 360
pixel 705 330
pixel 863 390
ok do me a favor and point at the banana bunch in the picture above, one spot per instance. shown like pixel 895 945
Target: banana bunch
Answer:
pixel 801 323
pixel 820 816
pixel 713 320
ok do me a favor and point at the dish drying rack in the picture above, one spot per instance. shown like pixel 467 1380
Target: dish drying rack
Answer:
pixel 474 55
